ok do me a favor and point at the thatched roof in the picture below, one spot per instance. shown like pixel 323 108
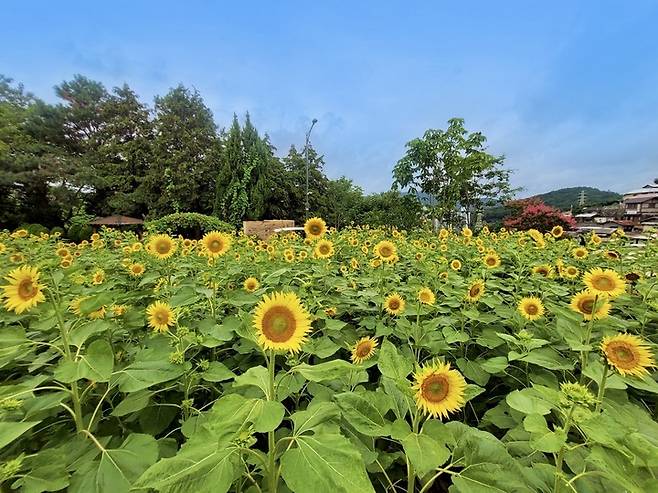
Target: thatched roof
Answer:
pixel 115 221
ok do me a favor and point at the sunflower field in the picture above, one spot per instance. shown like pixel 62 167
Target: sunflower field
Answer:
pixel 357 360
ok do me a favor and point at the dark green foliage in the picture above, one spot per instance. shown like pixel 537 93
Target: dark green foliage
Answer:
pixel 565 198
pixel 188 224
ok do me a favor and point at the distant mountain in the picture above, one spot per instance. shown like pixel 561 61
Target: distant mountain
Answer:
pixel 565 198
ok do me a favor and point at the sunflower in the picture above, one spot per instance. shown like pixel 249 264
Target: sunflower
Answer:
pixel 74 306
pixel 324 249
pixel 443 275
pixel 216 243
pixel 628 354
pixel 315 228
pixel 633 277
pixel 491 260
pixel 455 264
pixel 161 246
pixel 543 270
pixel 557 231
pixel 282 322
pixel 330 311
pixel 23 291
pixel 3 247
pixel 394 304
pixel 98 277
pixel 65 263
pixel 606 282
pixel 531 308
pixel 364 349
pixel 475 291
pixel 467 232
pixel 570 272
pixel 160 316
pixel 385 250
pixel 250 284
pixel 579 253
pixel 439 390
pixel 136 269
pixel 612 254
pixel 426 296
pixel 137 246
pixel 63 252
pixel 584 301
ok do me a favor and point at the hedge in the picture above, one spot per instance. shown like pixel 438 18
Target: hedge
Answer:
pixel 189 224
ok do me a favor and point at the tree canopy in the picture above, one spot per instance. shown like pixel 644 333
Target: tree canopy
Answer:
pixel 452 168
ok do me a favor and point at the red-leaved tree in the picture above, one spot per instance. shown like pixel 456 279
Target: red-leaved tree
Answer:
pixel 532 213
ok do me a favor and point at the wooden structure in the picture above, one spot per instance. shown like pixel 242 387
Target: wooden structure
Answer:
pixel 265 229
pixel 116 221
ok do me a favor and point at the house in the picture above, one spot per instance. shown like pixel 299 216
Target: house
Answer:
pixel 641 204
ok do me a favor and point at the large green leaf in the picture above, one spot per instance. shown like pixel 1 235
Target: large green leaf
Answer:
pixel 362 415
pixel 11 431
pixel 324 462
pixel 150 367
pixel 117 469
pixel 424 452
pixel 201 466
pixel 391 363
pixel 332 370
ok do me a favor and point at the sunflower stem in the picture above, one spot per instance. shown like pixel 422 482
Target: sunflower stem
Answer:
pixel 271 445
pixel 560 455
pixel 75 396
pixel 411 473
pixel 599 398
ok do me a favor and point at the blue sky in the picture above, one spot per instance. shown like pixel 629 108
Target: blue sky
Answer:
pixel 568 91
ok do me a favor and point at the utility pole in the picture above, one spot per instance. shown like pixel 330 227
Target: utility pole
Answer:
pixel 308 164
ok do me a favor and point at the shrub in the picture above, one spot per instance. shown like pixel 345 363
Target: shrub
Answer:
pixel 188 224
pixel 57 229
pixel 534 214
pixel 34 229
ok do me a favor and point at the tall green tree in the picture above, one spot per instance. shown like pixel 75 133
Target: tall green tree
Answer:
pixel 183 170
pixel 24 191
pixel 343 202
pixel 452 168
pixel 233 178
pixel 124 153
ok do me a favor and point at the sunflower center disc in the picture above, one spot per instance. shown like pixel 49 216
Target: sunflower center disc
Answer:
pixel 394 304
pixel 435 388
pixel 215 246
pixel 161 317
pixel 363 349
pixel 475 290
pixel 26 289
pixel 278 324
pixel 603 283
pixel 162 247
pixel 624 354
pixel 587 306
pixel 532 309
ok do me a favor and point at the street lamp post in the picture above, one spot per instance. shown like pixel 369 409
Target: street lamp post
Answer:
pixel 308 164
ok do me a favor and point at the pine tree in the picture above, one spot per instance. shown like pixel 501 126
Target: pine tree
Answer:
pixel 181 177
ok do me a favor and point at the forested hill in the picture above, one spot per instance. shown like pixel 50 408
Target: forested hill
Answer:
pixel 564 198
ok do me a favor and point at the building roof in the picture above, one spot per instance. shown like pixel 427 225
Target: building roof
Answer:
pixel 115 221
pixel 648 188
pixel 587 215
pixel 640 200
